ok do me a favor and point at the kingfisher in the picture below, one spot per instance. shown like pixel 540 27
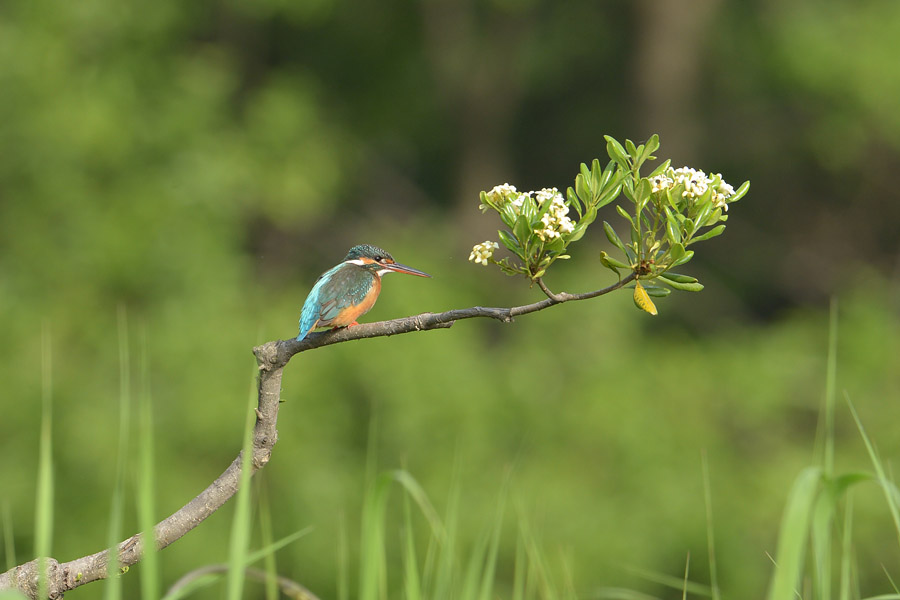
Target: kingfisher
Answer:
pixel 348 290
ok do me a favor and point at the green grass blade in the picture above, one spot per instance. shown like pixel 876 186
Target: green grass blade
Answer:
pixel 265 526
pixel 710 532
pixel 846 551
pixel 113 588
pixel 372 578
pixel 674 583
pixel 149 572
pixel 794 532
pixel 608 593
pixel 891 493
pixel 821 534
pixel 444 577
pixel 830 377
pixel 520 570
pixel 411 580
pixel 43 528
pixel 241 525
pixel 490 566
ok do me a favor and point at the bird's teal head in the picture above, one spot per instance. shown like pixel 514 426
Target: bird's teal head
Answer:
pixel 378 261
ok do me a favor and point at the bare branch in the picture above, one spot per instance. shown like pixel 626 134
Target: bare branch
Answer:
pixel 272 358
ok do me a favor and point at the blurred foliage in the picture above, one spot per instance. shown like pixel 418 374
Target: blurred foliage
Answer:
pixel 200 164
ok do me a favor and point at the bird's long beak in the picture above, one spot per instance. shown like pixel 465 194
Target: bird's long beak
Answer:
pixel 404 269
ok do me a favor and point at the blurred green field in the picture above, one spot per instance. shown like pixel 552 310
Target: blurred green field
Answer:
pixel 198 166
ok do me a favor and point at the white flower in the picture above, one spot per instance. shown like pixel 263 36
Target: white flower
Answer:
pixel 554 220
pixel 481 253
pixel 722 193
pixel 660 183
pixel 500 194
pixel 695 182
pixel 547 194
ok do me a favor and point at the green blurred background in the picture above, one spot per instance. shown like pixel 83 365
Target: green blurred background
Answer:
pixel 199 164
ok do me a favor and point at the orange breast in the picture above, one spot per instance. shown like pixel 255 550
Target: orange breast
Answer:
pixel 353 312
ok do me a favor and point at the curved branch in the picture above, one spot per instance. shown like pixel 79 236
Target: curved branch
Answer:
pixel 271 358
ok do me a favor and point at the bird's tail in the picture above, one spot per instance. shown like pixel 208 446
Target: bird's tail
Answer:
pixel 305 328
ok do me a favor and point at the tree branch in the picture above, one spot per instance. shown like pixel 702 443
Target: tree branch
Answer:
pixel 271 358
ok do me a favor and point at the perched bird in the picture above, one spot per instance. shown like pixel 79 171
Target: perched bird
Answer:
pixel 347 291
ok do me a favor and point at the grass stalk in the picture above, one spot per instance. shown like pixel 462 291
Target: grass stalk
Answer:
pixel 241 524
pixel 149 573
pixel 43 528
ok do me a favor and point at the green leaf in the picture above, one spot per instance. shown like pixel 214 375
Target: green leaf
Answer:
pixel 596 176
pixel 702 214
pixel 608 174
pixel 589 217
pixel 622 212
pixel 609 194
pixel 509 215
pixel 643 192
pixel 740 192
pixel 613 261
pixel 606 262
pixel 585 172
pixel 582 189
pixel 612 236
pixel 673 229
pixel 696 286
pixel 688 255
pixel 576 234
pixel 510 242
pixel 573 200
pixel 522 229
pixel 556 245
pixel 665 165
pixel 632 151
pixel 657 291
pixel 678 277
pixel 628 188
pixel 616 151
pixel 648 149
pixel 676 252
pixel 709 234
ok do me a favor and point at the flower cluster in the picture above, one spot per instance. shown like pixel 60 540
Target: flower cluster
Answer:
pixel 696 183
pixel 500 195
pixel 554 220
pixel 482 253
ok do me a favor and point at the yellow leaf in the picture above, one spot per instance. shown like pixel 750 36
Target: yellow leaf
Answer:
pixel 642 299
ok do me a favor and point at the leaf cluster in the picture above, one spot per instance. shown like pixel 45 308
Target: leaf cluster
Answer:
pixel 536 244
pixel 664 219
pixel 666 211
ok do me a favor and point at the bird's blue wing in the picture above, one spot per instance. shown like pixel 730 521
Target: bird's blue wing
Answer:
pixel 338 288
pixel 312 307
